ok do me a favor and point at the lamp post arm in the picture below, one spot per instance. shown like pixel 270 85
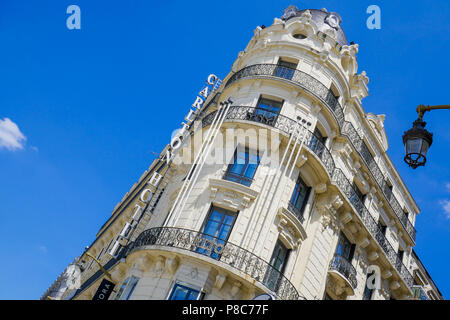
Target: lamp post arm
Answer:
pixel 421 109
pixel 100 265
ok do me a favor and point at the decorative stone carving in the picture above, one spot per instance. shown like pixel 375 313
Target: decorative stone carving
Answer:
pixel 320 188
pixel 328 207
pixel 373 256
pixel 394 285
pixel 337 202
pixel 193 273
pixel 143 263
pixel 364 242
pixel 158 268
pixel 353 227
pixel 337 287
pixel 290 228
pixel 348 58
pixel 220 280
pixel 301 160
pixel 230 194
pixel 235 289
pixel 346 217
pixel 172 264
pixel 306 16
pixel 386 274
pixel 289 12
pixel 358 85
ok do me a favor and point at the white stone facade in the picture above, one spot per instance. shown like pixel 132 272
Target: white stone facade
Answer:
pixel 355 191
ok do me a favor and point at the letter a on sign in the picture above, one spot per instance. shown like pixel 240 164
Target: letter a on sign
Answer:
pixel 74 20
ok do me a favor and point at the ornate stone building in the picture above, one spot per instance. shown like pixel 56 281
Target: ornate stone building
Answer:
pixel 312 208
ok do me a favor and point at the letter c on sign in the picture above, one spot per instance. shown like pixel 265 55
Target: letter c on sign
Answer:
pixel 212 78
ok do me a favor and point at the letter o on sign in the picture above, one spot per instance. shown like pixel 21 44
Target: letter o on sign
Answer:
pixel 149 195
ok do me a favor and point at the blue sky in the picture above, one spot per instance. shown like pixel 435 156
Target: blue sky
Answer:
pixel 92 104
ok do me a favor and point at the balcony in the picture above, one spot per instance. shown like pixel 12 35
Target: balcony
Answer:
pixel 344 272
pixel 217 250
pixel 337 177
pixel 419 293
pixel 324 94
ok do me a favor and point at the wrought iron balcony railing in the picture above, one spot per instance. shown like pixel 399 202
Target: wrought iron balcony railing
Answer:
pixel 297 212
pixel 337 177
pixel 320 91
pixel 345 268
pixel 302 79
pixel 220 250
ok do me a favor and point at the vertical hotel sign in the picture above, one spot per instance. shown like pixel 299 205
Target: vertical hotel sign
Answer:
pixel 212 83
pixel 104 290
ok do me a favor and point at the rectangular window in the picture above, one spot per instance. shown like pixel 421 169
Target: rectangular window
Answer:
pixel 285 69
pixel 345 248
pixel 299 198
pixel 243 167
pixel 278 262
pixel 216 229
pixel 180 292
pixel 317 142
pixel 266 111
pixel 127 288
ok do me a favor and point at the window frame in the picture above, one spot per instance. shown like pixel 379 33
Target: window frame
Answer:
pixel 270 281
pixel 242 178
pixel 225 212
pixel 127 288
pixel 299 212
pixel 177 284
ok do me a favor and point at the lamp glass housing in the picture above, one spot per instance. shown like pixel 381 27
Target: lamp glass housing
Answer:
pixel 417 141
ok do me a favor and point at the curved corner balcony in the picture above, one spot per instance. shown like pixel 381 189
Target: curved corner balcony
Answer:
pixel 216 249
pixel 314 87
pixel 337 177
pixel 345 271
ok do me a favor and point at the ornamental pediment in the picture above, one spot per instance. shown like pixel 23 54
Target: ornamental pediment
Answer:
pixel 231 195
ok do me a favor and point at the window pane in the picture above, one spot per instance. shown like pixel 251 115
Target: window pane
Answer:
pixel 344 246
pixel 278 260
pixel 180 292
pixel 299 197
pixel 244 167
pixel 219 226
pixel 127 288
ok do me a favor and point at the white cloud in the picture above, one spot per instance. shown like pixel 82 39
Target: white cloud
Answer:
pixel 447 186
pixel 10 136
pixel 445 204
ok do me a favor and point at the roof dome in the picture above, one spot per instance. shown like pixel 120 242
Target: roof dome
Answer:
pixel 322 18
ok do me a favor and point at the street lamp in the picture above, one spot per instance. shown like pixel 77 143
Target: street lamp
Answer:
pixel 418 140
